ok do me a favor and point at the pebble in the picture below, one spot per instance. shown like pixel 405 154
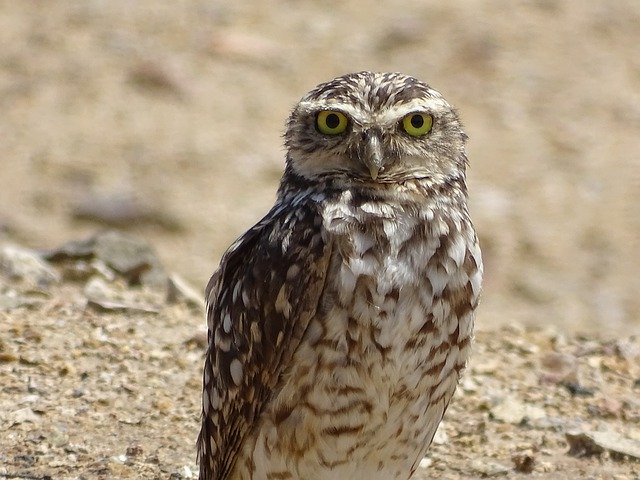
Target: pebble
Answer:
pixel 587 443
pixel 559 367
pixel 178 290
pixel 524 462
pixel 11 300
pixel 134 450
pixel 128 256
pixel 26 265
pixel 513 411
pixel 22 415
pixel 489 468
pixel 103 297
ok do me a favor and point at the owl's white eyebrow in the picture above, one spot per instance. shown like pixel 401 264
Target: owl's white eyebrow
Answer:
pixel 345 108
pixel 424 105
pixel 389 115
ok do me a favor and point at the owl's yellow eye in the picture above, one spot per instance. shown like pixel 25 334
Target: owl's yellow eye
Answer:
pixel 331 122
pixel 417 124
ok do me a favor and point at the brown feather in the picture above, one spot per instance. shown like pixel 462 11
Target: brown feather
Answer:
pixel 267 312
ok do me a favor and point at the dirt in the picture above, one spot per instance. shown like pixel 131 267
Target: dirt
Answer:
pixel 87 393
pixel 164 119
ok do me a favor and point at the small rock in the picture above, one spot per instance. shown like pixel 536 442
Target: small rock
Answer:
pixel 103 298
pixel 489 468
pixel 131 420
pixel 78 392
pixel 30 399
pixel 77 271
pixel 187 472
pixel 72 250
pixel 628 349
pixel 21 416
pixel 66 369
pixel 119 458
pixel 588 443
pixel 32 386
pixel 578 390
pixel 134 450
pixel 559 367
pixel 26 460
pixel 97 290
pixel 75 448
pixel 109 306
pixel 179 290
pixel 128 256
pixel 10 300
pixel 32 359
pixel 595 362
pixel 513 411
pixel 101 269
pixel 524 462
pixel 26 265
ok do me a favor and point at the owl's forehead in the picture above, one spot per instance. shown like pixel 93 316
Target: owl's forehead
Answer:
pixel 368 94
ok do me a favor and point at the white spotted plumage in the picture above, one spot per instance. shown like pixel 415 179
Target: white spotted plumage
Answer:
pixel 340 323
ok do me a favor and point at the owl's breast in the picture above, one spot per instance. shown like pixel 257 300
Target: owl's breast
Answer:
pixel 381 359
pixel 404 281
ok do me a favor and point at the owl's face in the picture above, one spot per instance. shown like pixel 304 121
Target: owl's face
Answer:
pixel 375 127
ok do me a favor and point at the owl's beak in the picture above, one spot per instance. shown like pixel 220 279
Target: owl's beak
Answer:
pixel 373 157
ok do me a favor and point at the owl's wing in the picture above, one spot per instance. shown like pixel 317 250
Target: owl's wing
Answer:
pixel 259 304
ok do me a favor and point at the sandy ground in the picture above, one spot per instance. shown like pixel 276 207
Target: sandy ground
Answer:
pixel 181 106
pixel 166 118
pixel 120 397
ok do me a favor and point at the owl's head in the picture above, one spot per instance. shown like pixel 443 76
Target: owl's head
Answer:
pixel 375 127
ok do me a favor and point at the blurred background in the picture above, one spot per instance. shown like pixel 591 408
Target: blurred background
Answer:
pixel 165 118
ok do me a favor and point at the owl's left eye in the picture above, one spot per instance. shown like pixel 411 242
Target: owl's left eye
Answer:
pixel 331 122
pixel 417 124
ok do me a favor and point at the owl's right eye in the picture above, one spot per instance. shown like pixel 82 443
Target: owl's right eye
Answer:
pixel 331 122
pixel 417 124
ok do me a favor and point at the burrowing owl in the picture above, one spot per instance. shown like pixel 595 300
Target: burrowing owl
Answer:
pixel 340 323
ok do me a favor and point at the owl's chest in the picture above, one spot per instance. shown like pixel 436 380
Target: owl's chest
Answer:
pixel 382 297
pixel 380 359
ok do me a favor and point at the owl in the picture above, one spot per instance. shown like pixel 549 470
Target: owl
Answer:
pixel 340 323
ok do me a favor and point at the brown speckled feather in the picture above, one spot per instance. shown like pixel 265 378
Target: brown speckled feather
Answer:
pixel 258 306
pixel 340 324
